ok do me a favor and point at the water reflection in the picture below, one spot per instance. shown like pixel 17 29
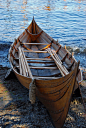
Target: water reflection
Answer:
pixel 49 5
pixel 47 8
pixel 23 10
pixel 25 2
pixel 8 5
pixel 62 19
pixel 76 5
pixel 65 7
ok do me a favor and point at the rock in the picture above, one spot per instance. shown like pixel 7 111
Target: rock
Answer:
pixel 10 74
pixel 84 74
pixel 20 113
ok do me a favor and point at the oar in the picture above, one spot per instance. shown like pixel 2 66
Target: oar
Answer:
pixel 58 63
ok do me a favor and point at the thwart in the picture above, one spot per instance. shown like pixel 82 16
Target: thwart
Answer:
pixel 47 69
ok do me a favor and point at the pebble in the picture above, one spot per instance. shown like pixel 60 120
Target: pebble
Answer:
pixel 20 113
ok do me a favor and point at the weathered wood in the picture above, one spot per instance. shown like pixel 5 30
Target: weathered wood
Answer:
pixel 48 46
pixel 33 27
pixel 27 66
pixel 35 51
pixel 45 59
pixel 23 45
pixel 35 77
pixel 33 36
pixel 62 53
pixel 63 59
pixel 44 36
pixel 56 47
pixel 33 67
pixel 62 103
pixel 22 64
pixel 52 89
pixel 41 61
pixel 43 67
pixel 36 43
pixel 58 63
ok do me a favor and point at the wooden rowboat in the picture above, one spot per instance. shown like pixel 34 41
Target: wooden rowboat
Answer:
pixel 47 69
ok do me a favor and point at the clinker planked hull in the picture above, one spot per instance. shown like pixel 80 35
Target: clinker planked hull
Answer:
pixel 36 55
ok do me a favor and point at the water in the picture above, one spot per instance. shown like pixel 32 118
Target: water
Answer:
pixel 64 20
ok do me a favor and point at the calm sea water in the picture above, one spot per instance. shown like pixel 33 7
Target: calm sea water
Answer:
pixel 64 20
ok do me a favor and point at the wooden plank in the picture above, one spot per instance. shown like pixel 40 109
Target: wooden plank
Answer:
pixel 37 64
pixel 12 52
pixel 27 66
pixel 22 63
pixel 43 67
pixel 33 67
pixel 40 61
pixel 33 27
pixel 56 56
pixel 36 43
pixel 64 57
pixel 56 50
pixel 44 36
pixel 56 47
pixel 58 63
pixel 46 77
pixel 33 36
pixel 48 46
pixel 63 54
pixel 41 40
pixel 45 59
pixel 40 72
pixel 35 51
pixel 23 45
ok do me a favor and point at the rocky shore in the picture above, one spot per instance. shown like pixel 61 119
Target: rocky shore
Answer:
pixel 17 112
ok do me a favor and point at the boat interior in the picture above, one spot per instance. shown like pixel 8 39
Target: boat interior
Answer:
pixel 41 53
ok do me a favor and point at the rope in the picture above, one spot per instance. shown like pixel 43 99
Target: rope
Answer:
pixel 32 91
pixel 24 67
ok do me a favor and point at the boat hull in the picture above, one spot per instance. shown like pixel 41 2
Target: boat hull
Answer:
pixel 36 55
pixel 54 94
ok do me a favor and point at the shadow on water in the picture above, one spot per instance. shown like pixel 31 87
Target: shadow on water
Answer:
pixel 4 46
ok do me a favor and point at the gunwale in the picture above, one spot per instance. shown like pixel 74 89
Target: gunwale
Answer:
pixel 50 90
